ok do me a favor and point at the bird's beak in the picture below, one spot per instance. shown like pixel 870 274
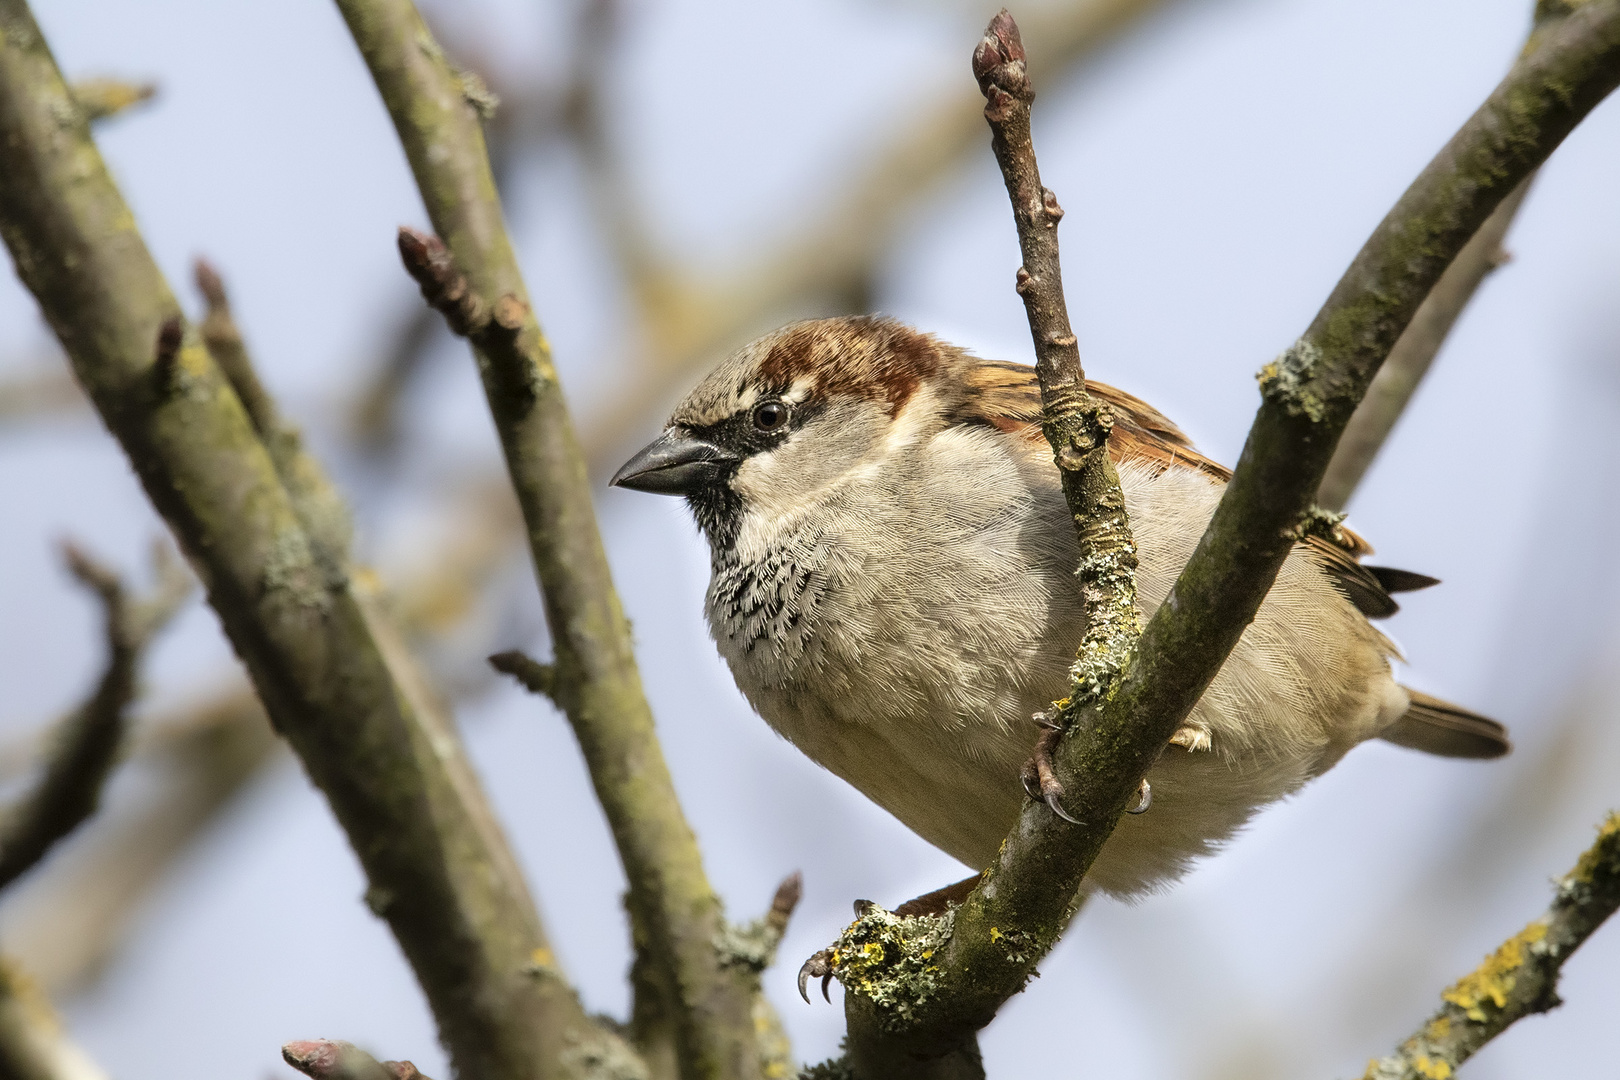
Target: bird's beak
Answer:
pixel 674 464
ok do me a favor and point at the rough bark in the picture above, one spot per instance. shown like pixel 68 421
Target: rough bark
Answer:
pixel 470 273
pixel 920 1017
pixel 284 599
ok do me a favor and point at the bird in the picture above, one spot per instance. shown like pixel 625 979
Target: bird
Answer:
pixel 893 589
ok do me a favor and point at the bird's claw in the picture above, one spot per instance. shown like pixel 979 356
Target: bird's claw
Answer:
pixel 1057 808
pixel 1039 779
pixel 1144 798
pixel 818 966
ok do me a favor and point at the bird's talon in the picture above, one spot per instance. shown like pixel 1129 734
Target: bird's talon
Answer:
pixel 818 966
pixel 1144 798
pixel 1057 808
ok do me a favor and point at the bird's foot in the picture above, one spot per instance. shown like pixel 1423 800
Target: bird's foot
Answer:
pixel 1039 778
pixel 1144 798
pixel 818 966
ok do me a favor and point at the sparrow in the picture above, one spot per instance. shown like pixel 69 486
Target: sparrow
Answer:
pixel 893 588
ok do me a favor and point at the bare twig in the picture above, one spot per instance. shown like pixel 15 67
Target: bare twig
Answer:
pixel 1521 977
pixel 33 1045
pixel 833 258
pixel 1025 898
pixel 286 602
pixel 473 277
pixel 87 743
pixel 328 1059
pixel 1397 380
pixel 536 677
pixel 65 927
pixel 101 98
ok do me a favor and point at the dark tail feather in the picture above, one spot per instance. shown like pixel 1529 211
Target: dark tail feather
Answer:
pixel 1439 727
pixel 1395 581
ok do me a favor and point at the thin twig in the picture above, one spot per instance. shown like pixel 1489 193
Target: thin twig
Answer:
pixel 87 743
pixel 473 278
pixel 835 255
pixel 1520 978
pixel 287 606
pixel 330 1059
pixel 1023 903
pixel 536 677
pixel 1408 362
pixel 101 98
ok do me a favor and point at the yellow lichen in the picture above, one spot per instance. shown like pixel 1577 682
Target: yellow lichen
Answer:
pixel 1493 980
pixel 1432 1068
pixel 1601 851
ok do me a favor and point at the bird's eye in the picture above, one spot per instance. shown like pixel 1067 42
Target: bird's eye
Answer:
pixel 770 415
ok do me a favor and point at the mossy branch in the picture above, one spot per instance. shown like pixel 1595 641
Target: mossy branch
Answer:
pixel 287 604
pixel 1520 978
pixel 1397 380
pixel 470 273
pixel 1025 899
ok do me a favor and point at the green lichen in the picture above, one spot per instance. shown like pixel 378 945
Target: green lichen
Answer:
pixel 1601 860
pixel 751 946
pixel 1321 522
pixel 889 960
pixel 1286 381
pixel 290 567
pixel 602 1059
pixel 831 1069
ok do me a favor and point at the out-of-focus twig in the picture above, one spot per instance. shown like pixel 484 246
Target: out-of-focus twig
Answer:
pixel 330 1059
pixel 101 98
pixel 1521 977
pixel 1397 380
pixel 87 743
pixel 520 118
pixel 686 323
pixel 33 1045
pixel 286 601
pixel 65 924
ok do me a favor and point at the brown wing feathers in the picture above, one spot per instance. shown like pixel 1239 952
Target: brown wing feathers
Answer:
pixel 1007 397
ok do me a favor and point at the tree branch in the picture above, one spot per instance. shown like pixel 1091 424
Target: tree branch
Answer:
pixel 837 253
pixel 1521 977
pixel 473 277
pixel 33 1045
pixel 285 601
pixel 1024 900
pixel 1408 362
pixel 87 743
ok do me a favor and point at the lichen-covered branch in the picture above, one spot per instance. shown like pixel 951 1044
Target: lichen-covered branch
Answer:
pixel 473 277
pixel 33 1045
pixel 288 608
pixel 1520 978
pixel 1075 423
pixel 86 744
pixel 1408 362
pixel 1025 899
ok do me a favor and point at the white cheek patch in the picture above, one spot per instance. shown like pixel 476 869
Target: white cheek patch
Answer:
pixel 801 389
